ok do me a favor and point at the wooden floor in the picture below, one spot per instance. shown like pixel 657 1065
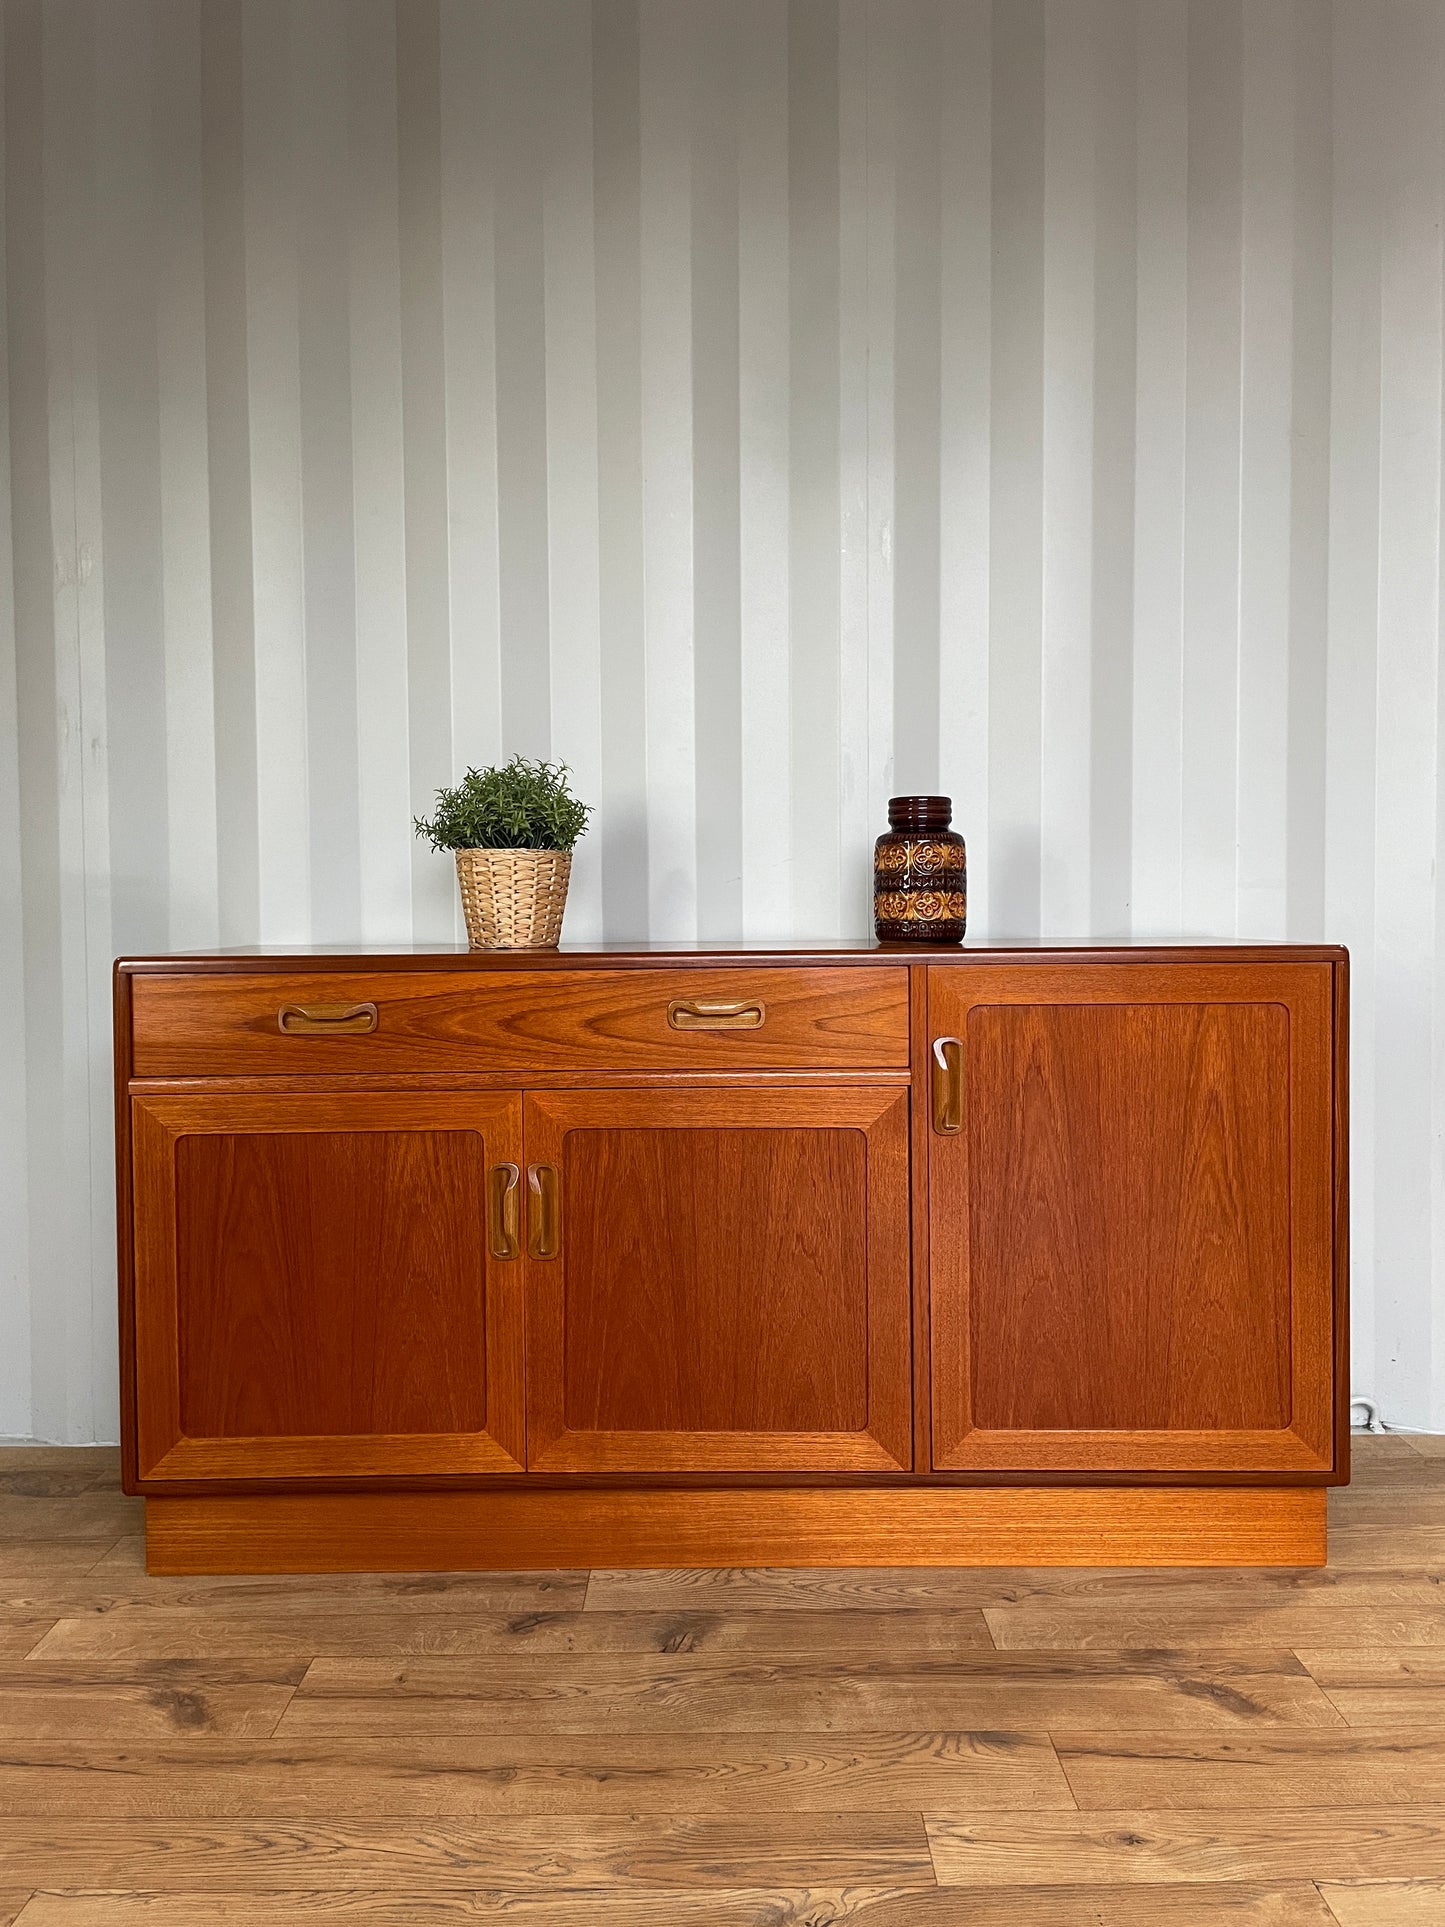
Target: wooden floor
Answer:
pixel 741 1749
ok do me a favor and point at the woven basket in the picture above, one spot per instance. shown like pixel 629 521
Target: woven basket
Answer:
pixel 513 899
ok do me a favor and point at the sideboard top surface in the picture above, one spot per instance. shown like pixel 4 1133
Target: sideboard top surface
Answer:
pixel 833 950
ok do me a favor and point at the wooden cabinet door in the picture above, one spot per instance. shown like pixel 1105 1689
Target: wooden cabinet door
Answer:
pixel 728 1284
pixel 315 1290
pixel 1130 1200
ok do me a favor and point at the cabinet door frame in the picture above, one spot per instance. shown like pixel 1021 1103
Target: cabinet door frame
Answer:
pixel 1305 1447
pixel 164 1451
pixel 886 1442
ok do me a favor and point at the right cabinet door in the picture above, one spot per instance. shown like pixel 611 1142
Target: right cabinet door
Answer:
pixel 1130 1205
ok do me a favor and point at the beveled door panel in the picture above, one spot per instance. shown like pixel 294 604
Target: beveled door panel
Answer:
pixel 317 1293
pixel 728 1284
pixel 1130 1203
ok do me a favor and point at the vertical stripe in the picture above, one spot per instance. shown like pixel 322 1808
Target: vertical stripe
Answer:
pixel 916 429
pixel 1156 840
pixel 1266 410
pixel 273 369
pixel 15 1399
pixel 423 419
pixel 1407 676
pixel 130 488
pixel 468 142
pixel 1211 469
pixel 763 534
pixel 37 761
pixel 573 543
pixel 813 457
pixel 1356 247
pixel 383 732
pixel 716 403
pixel 668 77
pixel 617 190
pixel 185 503
pixel 69 1252
pixel 965 329
pixel 329 553
pixel 228 441
pixel 866 105
pixel 1309 476
pixel 1071 83
pixel 1116 427
pixel 519 89
pixel 1016 559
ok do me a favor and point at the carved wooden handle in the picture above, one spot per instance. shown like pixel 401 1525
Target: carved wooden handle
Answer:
pixel 504 1210
pixel 325 1020
pixel 544 1211
pixel 751 1014
pixel 948 1085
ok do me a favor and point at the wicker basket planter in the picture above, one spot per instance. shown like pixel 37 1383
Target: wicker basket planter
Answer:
pixel 513 899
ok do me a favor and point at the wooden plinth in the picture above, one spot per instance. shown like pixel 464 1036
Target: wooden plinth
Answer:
pixel 911 1526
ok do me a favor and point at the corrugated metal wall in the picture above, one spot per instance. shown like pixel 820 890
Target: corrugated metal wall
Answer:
pixel 764 405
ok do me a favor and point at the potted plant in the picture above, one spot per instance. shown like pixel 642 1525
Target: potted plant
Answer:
pixel 512 830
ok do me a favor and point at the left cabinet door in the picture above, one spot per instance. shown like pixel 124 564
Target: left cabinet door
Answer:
pixel 326 1286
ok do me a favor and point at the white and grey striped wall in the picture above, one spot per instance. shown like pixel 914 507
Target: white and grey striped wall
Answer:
pixel 763 405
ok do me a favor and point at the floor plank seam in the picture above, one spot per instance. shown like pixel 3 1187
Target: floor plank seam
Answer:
pixel 1064 1772
pixel 32 1651
pixel 110 1548
pixel 1318 1887
pixel 928 1841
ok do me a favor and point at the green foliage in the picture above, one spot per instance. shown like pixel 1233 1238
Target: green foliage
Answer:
pixel 521 806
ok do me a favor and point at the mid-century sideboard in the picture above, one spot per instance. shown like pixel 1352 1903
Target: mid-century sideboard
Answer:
pixel 734 1256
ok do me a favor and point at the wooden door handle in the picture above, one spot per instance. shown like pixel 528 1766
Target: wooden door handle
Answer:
pixel 504 1210
pixel 325 1020
pixel 948 1085
pixel 544 1211
pixel 685 1014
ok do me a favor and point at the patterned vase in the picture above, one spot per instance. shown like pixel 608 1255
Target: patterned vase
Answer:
pixel 920 882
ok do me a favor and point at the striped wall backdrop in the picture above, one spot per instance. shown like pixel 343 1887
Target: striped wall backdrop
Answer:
pixel 764 405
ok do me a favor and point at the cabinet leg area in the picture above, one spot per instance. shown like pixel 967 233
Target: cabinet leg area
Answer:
pixel 560 1529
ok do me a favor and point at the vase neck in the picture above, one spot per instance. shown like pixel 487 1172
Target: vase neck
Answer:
pixel 920 812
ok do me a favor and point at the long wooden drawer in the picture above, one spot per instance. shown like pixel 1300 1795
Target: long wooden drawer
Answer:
pixel 733 1018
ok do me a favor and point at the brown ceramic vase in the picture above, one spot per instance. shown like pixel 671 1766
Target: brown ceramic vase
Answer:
pixel 920 882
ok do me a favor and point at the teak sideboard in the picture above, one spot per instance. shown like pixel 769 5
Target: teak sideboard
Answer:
pixel 744 1256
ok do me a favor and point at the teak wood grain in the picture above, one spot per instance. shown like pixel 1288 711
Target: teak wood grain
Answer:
pixel 1131 1249
pixel 224 1026
pixel 790 1526
pixel 731 1290
pixel 315 1296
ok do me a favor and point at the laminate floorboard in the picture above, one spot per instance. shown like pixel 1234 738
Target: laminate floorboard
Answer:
pixel 534 1774
pixel 1272 1771
pixel 393 1906
pixel 1140 1847
pixel 1387 1903
pixel 195 1633
pixel 884 1748
pixel 1229 1906
pixel 504 1855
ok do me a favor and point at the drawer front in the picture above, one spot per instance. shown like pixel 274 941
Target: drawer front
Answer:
pixel 734 1018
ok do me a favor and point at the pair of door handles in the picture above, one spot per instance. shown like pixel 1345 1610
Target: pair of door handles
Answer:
pixel 504 1211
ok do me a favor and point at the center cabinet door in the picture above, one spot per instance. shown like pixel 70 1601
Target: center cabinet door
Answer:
pixel 1130 1218
pixel 327 1286
pixel 718 1280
